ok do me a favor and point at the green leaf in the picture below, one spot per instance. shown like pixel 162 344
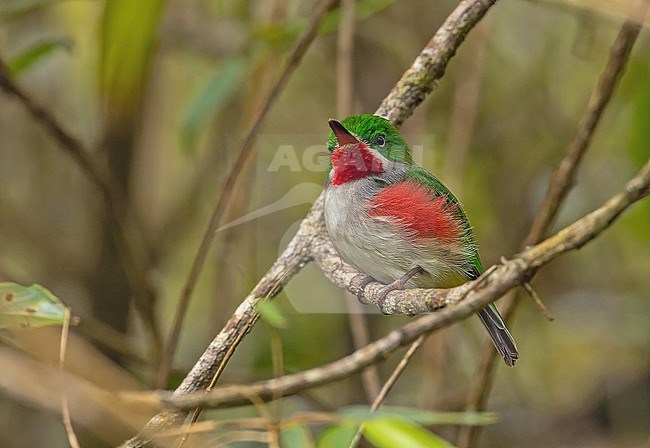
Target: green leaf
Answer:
pixel 29 307
pixel 271 314
pixel 296 436
pixel 128 35
pixel 363 413
pixel 392 432
pixel 337 436
pixel 35 53
pixel 212 97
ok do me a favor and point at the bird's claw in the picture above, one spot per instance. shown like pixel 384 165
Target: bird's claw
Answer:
pixel 381 297
pixel 394 286
pixel 362 287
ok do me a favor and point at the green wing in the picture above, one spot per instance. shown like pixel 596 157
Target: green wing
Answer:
pixel 424 177
pixel 489 315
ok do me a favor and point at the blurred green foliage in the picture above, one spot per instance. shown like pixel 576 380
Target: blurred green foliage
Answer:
pixel 182 80
pixel 127 36
pixel 212 98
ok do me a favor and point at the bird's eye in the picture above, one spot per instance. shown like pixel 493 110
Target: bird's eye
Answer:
pixel 380 141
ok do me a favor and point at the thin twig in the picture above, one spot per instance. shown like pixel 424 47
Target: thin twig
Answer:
pixel 379 400
pixel 361 336
pixel 197 412
pixel 396 373
pixel 274 289
pixel 69 143
pixel 65 408
pixel 253 399
pixel 246 148
pixel 533 295
pixel 239 424
pixel 563 178
pixel 560 184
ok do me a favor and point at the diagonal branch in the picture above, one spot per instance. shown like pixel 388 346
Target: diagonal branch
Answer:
pixel 416 83
pixel 486 289
pixel 430 65
pixel 213 360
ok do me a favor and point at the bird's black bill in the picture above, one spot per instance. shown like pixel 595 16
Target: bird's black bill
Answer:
pixel 343 136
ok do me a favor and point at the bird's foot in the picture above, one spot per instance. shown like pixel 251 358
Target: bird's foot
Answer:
pixel 394 286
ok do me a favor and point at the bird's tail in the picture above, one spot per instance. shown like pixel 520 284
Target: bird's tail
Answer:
pixel 499 333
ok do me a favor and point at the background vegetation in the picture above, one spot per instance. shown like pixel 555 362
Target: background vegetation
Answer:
pixel 162 92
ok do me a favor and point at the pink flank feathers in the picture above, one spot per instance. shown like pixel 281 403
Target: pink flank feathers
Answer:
pixel 412 205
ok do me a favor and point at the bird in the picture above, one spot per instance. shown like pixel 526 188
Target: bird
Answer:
pixel 396 222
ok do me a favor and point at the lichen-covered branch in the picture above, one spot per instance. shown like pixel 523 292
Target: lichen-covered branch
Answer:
pixel 408 301
pixel 487 288
pixel 419 80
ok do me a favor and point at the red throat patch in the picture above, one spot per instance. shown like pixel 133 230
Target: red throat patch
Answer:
pixel 412 205
pixel 353 162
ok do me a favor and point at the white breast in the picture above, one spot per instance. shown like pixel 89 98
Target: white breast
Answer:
pixel 379 247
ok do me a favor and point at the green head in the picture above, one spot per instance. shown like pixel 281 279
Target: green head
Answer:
pixel 376 132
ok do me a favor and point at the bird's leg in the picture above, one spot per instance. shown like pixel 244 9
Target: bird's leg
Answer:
pixel 397 284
